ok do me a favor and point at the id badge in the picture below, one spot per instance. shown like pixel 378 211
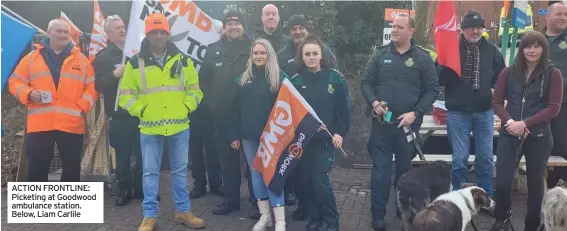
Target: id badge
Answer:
pixel 46 97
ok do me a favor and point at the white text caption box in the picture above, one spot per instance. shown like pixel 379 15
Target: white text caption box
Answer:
pixel 55 202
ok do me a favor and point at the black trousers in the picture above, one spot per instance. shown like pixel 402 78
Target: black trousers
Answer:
pixel 536 151
pixel 385 141
pixel 315 186
pixel 202 131
pixel 40 151
pixel 124 137
pixel 230 162
pixel 559 131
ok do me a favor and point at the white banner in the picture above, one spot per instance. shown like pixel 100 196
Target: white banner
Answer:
pixel 192 30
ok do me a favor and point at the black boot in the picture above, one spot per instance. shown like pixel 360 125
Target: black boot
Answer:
pixel 224 208
pixel 332 228
pixel 124 197
pixel 219 191
pixel 501 225
pixel 197 192
pixel 532 225
pixel 299 214
pixel 314 224
pixel 254 212
pixel 290 199
pixel 379 225
pixel 138 194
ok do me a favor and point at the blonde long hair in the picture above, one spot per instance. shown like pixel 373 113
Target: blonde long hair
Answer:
pixel 272 68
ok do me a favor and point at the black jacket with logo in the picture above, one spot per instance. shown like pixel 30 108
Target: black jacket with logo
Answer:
pixel 287 55
pixel 251 106
pixel 459 94
pixel 105 82
pixel 223 61
pixel 278 39
pixel 558 55
pixel 407 82
pixel 327 93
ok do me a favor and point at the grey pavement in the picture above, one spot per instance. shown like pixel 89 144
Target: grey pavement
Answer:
pixel 351 187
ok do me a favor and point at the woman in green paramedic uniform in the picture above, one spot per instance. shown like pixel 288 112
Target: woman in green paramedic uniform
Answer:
pixel 326 91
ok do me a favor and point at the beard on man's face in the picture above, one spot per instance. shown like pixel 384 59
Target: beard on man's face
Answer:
pixel 235 34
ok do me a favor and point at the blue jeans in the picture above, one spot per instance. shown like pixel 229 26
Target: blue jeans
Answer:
pixel 152 150
pixel 250 148
pixel 459 126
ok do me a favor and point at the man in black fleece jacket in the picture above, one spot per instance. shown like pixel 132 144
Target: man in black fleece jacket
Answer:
pixel 124 131
pixel 468 100
pixel 223 61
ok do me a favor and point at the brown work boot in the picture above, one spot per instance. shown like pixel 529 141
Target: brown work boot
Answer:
pixel 189 220
pixel 148 224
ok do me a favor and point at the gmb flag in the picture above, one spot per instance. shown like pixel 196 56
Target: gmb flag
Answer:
pixel 291 125
pixel 15 37
pixel 192 30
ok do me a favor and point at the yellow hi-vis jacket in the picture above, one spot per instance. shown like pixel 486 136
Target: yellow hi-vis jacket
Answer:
pixel 161 97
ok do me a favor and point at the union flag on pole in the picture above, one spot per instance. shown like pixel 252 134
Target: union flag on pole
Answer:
pixel 447 36
pixel 98 37
pixel 291 126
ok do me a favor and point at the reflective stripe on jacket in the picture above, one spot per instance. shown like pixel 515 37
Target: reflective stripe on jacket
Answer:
pixel 74 95
pixel 161 97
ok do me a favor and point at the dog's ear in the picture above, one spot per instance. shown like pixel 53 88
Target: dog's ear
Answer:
pixel 480 197
pixel 562 183
pixel 466 185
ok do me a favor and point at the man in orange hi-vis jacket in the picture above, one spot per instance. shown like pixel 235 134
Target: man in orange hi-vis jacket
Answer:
pixel 56 83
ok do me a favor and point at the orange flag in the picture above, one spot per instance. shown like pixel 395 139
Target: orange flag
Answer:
pixel 75 33
pixel 507 5
pixel 447 36
pixel 98 37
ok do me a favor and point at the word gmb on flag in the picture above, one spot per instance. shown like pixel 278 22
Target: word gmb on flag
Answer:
pixel 291 125
pixel 192 30
pixel 55 202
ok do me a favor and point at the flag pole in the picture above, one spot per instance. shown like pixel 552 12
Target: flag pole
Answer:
pixel 344 153
pixel 118 89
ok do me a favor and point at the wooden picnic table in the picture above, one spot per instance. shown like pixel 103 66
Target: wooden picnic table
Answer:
pixel 430 127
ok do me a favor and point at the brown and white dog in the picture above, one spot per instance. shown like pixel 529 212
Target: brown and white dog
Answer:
pixel 452 211
pixel 554 208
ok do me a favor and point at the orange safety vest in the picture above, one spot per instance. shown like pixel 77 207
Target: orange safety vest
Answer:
pixel 74 95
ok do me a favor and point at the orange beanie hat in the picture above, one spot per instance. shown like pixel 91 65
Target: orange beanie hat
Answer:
pixel 156 21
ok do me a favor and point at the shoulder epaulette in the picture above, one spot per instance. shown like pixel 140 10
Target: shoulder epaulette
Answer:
pixel 295 80
pixel 423 49
pixel 336 77
pixel 283 75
